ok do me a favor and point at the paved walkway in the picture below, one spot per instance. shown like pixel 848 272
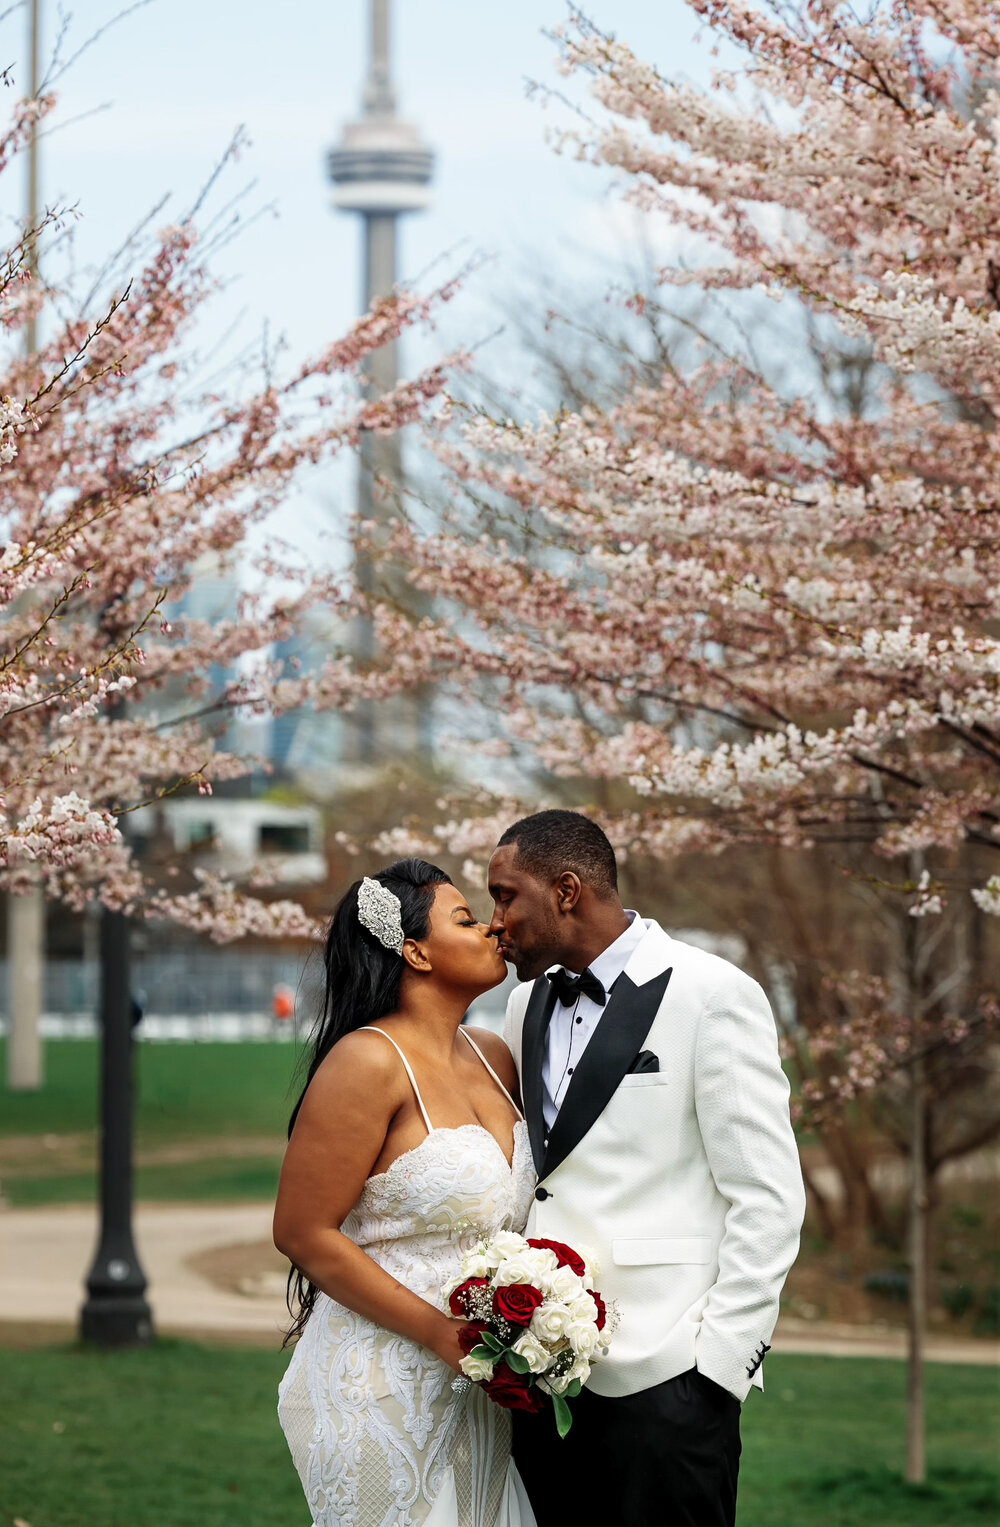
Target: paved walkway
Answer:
pixel 826 1339
pixel 45 1253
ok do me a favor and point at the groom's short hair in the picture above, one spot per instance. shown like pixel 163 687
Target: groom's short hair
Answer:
pixel 553 841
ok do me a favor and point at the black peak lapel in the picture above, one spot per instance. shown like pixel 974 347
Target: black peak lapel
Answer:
pixel 613 1047
pixel 533 1031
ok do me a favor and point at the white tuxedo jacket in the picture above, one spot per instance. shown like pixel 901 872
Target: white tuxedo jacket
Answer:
pixel 684 1183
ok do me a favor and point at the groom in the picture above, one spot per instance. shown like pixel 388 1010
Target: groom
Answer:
pixel 658 1115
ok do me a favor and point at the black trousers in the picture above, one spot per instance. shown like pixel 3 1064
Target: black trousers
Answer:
pixel 665 1457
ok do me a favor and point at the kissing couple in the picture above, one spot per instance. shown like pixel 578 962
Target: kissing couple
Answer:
pixel 635 1114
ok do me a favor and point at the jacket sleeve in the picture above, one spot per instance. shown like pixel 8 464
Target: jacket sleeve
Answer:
pixel 741 1099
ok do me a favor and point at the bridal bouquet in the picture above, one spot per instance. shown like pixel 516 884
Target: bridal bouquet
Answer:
pixel 535 1323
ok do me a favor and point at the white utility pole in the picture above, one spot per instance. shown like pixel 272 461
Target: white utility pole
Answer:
pixel 26 913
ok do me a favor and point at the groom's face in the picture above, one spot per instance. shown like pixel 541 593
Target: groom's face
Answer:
pixel 525 919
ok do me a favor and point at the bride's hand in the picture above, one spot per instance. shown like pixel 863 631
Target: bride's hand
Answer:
pixel 446 1346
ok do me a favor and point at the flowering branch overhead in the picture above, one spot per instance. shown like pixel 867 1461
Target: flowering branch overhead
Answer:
pixel 121 479
pixel 777 625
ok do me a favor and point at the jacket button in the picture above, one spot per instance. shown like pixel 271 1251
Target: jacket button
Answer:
pixel 541 1194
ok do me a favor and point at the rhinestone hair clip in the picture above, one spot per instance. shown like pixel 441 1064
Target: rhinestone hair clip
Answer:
pixel 380 911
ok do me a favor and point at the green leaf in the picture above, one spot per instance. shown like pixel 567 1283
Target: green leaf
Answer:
pixel 493 1342
pixel 564 1416
pixel 516 1362
pixel 485 1354
pixel 574 1389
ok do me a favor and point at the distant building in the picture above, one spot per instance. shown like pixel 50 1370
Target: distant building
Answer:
pixel 233 837
pixel 211 596
pixel 307 745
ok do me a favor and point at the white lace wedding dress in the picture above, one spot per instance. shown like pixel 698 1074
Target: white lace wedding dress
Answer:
pixel 378 1435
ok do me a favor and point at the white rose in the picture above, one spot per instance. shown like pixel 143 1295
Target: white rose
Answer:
pixel 543 1260
pixel 534 1354
pixel 584 1338
pixel 526 1267
pixel 478 1369
pixel 504 1244
pixel 562 1284
pixel 473 1266
pixel 551 1321
pixel 559 1385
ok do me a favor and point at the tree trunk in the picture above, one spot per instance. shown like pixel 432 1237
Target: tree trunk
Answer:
pixel 824 1214
pixel 916 1459
pixel 25 955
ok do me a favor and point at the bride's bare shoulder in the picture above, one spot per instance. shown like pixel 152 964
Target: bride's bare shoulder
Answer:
pixel 361 1056
pixel 357 1088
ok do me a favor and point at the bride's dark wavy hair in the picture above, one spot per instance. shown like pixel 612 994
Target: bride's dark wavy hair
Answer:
pixel 362 985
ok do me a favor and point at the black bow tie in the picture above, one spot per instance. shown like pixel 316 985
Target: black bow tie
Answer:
pixel 570 988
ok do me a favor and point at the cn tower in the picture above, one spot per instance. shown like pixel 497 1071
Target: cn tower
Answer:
pixel 381 170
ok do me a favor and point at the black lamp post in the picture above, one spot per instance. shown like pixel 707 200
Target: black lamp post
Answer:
pixel 116 1313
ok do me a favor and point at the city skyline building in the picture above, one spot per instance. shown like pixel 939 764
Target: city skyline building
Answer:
pixel 381 170
pixel 212 595
pixel 305 745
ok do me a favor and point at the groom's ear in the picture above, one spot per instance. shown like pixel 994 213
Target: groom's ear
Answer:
pixel 416 955
pixel 567 889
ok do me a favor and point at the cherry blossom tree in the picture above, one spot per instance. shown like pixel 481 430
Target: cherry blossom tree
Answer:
pixel 763 621
pixel 792 918
pixel 121 467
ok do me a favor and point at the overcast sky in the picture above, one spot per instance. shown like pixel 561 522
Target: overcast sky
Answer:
pixel 177 77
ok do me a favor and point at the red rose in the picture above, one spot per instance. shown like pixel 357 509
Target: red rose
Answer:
pixel 471 1335
pixel 458 1303
pixel 517 1302
pixel 565 1255
pixel 602 1309
pixel 511 1390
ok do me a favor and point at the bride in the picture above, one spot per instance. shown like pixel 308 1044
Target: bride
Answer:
pixel 406 1148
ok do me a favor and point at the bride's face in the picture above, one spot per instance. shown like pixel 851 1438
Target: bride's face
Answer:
pixel 461 952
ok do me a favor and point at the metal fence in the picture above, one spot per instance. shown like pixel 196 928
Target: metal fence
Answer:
pixel 195 993
pixel 201 993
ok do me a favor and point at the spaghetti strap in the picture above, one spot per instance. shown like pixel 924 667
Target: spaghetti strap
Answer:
pixel 490 1069
pixel 370 1029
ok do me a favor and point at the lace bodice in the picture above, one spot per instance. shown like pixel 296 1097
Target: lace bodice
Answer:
pixel 435 1202
pixel 373 1424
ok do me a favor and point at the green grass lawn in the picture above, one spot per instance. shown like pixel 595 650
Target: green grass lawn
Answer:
pixel 824 1446
pixel 183 1091
pixel 185 1436
pixel 181 1436
pixel 187 1097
